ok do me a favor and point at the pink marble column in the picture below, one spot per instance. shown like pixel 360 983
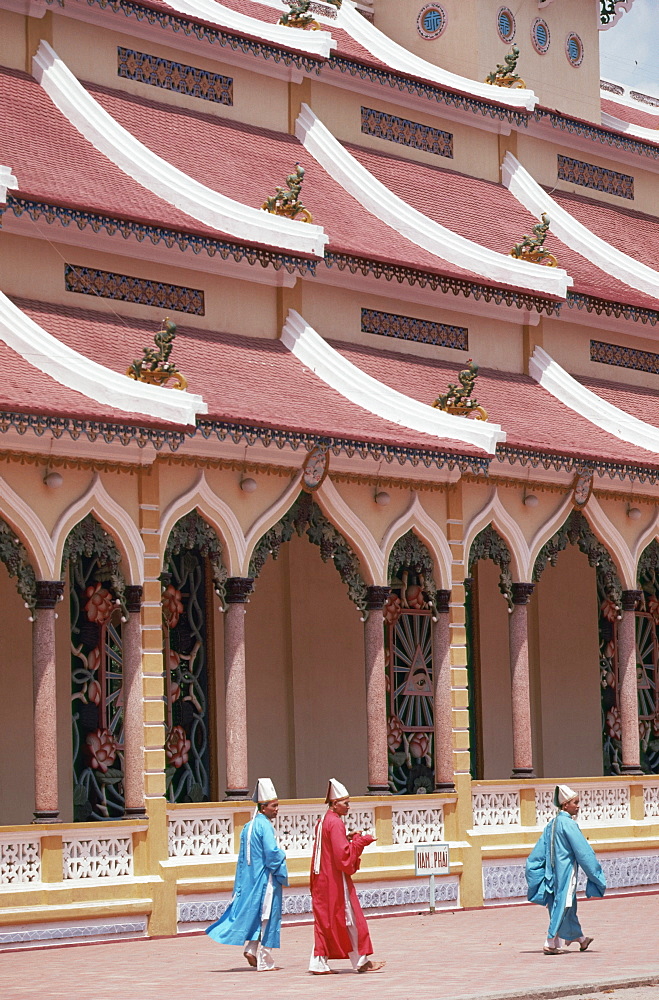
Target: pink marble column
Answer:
pixel 44 678
pixel 133 706
pixel 520 687
pixel 627 684
pixel 442 705
pixel 238 590
pixel 376 691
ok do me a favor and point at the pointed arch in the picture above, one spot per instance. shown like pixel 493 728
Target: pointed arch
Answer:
pixel 97 501
pixel 31 530
pixel 651 534
pixel 549 528
pixel 604 529
pixel 576 530
pixel 417 519
pixel 268 519
pixel 495 513
pixel 217 513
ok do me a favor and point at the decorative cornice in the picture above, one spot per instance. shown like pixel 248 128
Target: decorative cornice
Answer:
pixel 620 310
pixel 360 388
pixel 606 137
pixel 445 283
pixel 93 430
pixel 571 463
pixel 126 228
pixel 376 198
pixel 158 175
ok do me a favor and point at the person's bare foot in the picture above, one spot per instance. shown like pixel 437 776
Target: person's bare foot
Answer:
pixel 250 958
pixel 371 966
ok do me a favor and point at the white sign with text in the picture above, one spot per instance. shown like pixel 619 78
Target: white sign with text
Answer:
pixel 431 859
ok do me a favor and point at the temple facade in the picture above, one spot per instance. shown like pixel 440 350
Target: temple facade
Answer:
pixel 329 448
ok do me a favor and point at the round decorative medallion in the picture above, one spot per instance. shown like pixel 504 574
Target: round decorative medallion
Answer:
pixel 315 468
pixel 540 35
pixel 431 21
pixel 574 49
pixel 506 24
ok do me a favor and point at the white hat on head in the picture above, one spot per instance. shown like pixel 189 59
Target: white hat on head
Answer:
pixel 335 790
pixel 265 791
pixel 563 794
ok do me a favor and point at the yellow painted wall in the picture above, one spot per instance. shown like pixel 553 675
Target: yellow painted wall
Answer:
pixel 90 52
pixel 17 755
pixel 474 152
pixel 569 344
pixel 305 669
pixel 12 40
pixel 569 667
pixel 496 708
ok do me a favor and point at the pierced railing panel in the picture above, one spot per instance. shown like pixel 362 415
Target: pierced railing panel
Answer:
pixel 20 861
pixel 295 825
pixel 599 804
pixel 651 801
pixel 97 857
pixel 415 824
pixel 494 807
pixel 200 836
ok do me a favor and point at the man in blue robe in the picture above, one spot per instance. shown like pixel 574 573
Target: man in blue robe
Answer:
pixel 253 917
pixel 551 873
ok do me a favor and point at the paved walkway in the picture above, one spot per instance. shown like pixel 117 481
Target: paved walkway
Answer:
pixel 449 956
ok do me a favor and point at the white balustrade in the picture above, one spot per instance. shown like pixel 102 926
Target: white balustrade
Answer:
pixel 600 804
pixel 545 810
pixel 495 807
pixel 101 855
pixel 200 835
pixel 295 825
pixel 20 860
pixel 414 824
pixel 651 801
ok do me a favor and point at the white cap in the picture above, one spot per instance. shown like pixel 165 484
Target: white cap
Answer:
pixel 335 790
pixel 265 791
pixel 563 794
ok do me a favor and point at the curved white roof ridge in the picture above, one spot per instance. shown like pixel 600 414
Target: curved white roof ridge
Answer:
pixel 588 404
pixel 402 60
pixel 161 177
pixel 625 99
pixel 627 128
pixel 574 234
pixel 75 371
pixel 367 392
pixel 381 202
pixel 313 43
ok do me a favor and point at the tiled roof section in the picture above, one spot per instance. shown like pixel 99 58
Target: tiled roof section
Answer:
pixel 55 164
pixel 639 401
pixel 253 162
pixel 242 379
pixel 532 418
pixel 635 116
pixel 488 214
pixel 626 229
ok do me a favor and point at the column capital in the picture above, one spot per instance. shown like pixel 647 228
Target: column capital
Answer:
pixel 630 599
pixel 521 592
pixel 238 589
pixel 442 601
pixel 133 598
pixel 376 598
pixel 48 593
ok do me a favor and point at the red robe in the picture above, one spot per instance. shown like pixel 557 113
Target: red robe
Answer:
pixel 339 857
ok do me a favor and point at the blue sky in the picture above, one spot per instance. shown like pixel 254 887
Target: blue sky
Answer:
pixel 629 50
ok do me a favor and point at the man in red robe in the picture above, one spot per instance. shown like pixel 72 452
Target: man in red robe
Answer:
pixel 340 929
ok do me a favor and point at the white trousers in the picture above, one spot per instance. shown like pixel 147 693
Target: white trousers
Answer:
pixel 264 960
pixel 318 963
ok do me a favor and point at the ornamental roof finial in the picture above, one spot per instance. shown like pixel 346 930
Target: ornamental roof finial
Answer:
pixel 155 367
pixel 504 75
pixel 299 16
pixel 532 247
pixel 458 399
pixel 286 201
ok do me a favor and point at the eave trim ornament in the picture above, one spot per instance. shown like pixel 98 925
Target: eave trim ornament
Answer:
pixel 504 75
pixel 155 368
pixel 458 399
pixel 531 248
pixel 286 201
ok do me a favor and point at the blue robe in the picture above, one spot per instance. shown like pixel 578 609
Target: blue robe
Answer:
pixel 241 921
pixel 551 872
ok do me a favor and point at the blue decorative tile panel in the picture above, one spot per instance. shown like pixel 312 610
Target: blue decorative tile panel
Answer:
pixel 423 331
pixel 624 357
pixel 174 76
pixel 407 133
pixel 108 285
pixel 599 178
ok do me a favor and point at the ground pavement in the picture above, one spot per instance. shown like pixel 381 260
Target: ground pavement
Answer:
pixel 490 953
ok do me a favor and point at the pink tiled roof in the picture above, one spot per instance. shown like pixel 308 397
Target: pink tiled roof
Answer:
pixel 532 418
pixel 635 115
pixel 243 380
pixel 639 401
pixel 488 214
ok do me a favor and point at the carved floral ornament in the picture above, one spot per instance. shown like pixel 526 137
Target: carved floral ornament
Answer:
pixel 458 400
pixel 488 544
pixel 410 569
pixel 192 532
